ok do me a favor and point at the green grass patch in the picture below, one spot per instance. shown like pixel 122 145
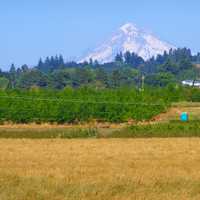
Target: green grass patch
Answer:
pixel 162 130
pixel 62 133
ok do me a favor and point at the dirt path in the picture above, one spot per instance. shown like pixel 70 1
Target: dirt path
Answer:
pixel 193 110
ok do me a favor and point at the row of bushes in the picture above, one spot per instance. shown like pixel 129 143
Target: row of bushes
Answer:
pixel 86 104
pixel 77 105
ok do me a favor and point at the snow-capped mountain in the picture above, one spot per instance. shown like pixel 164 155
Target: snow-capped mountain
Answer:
pixel 129 38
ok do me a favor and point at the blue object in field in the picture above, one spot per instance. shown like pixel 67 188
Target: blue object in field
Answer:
pixel 184 117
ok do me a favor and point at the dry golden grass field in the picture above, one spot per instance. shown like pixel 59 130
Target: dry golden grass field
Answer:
pixel 100 169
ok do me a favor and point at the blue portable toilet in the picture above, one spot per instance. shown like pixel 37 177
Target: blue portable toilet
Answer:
pixel 184 117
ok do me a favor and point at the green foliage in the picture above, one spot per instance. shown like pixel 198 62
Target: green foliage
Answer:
pixel 126 70
pixel 160 79
pixel 84 104
pixel 164 130
pixel 4 82
pixel 62 133
pixel 32 78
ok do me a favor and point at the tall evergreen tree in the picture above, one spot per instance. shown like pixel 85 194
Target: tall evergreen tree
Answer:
pixel 40 63
pixel 61 60
pixel 12 73
pixel 24 68
pixel 119 58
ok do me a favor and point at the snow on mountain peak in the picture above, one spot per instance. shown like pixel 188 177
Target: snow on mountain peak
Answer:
pixel 129 38
pixel 129 28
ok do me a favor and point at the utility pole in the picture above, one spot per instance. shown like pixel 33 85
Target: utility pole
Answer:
pixel 142 86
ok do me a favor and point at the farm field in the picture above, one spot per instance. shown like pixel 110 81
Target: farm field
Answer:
pixel 164 125
pixel 40 162
pixel 173 113
pixel 119 121
pixel 100 169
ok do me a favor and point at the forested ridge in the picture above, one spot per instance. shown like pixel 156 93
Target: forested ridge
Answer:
pixel 127 70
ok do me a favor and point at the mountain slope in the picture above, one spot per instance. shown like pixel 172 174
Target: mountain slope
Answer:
pixel 129 38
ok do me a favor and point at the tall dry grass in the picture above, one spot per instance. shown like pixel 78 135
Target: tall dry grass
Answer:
pixel 112 169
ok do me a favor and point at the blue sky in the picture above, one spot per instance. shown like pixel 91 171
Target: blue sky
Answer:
pixel 39 28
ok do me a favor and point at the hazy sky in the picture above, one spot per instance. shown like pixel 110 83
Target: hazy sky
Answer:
pixel 38 28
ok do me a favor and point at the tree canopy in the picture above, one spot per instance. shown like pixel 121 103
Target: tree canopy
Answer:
pixel 126 70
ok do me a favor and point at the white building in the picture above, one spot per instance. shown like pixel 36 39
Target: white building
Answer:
pixel 191 83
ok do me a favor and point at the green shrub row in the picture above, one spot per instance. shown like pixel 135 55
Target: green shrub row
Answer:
pixel 162 130
pixel 78 105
